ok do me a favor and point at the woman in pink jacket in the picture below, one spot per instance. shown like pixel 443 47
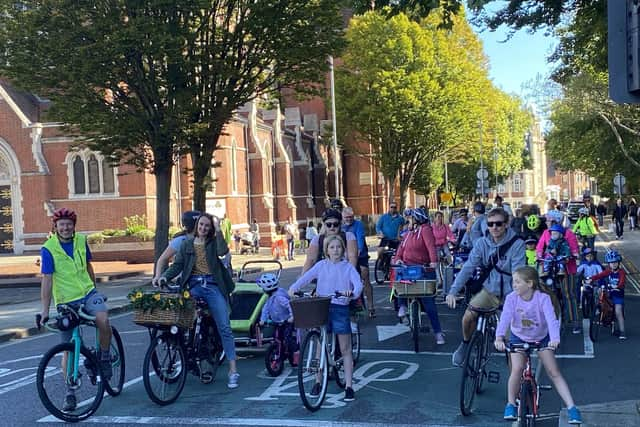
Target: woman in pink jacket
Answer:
pixel 442 234
pixel 570 302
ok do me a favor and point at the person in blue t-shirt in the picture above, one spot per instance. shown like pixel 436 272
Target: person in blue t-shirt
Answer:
pixel 388 228
pixel 349 223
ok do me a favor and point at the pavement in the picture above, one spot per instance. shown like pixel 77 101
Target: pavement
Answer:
pixel 20 301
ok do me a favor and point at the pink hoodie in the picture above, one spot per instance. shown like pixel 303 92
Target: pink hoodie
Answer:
pixel 442 233
pixel 572 241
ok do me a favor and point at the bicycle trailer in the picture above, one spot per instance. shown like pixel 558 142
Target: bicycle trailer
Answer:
pixel 248 299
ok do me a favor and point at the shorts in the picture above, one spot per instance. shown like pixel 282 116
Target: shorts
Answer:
pixel 363 261
pixel 514 339
pixel 339 320
pixel 485 300
pixel 617 297
pixel 94 302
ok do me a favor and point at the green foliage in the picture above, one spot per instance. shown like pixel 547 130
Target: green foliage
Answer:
pixel 135 224
pixel 414 9
pixel 144 235
pixel 173 230
pixel 95 238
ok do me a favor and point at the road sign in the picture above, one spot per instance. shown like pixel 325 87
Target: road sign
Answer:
pixel 619 180
pixel 446 197
pixel 482 174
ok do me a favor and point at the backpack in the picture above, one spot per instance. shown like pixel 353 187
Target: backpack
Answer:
pixel 476 282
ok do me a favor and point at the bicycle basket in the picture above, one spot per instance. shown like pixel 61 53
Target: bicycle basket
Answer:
pixel 415 288
pixel 310 312
pixel 181 316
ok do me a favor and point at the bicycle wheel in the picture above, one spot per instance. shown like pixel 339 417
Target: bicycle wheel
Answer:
pixel 115 383
pixel 272 360
pixel 487 342
pixel 470 374
pixel 414 314
pixel 337 370
pixel 164 370
pixel 379 272
pixel 355 342
pixel 312 370
pixel 214 350
pixel 525 408
pixel 53 381
pixel 587 305
pixel 594 324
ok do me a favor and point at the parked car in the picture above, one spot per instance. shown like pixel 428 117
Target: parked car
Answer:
pixel 572 210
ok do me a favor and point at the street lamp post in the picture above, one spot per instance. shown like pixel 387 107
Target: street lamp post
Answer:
pixel 333 123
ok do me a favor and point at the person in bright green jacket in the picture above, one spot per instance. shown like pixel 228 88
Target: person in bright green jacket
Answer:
pixel 584 228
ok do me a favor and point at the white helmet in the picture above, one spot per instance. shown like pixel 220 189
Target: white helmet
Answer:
pixel 583 211
pixel 268 282
pixel 555 215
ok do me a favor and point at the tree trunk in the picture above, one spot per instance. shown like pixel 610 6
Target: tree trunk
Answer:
pixel 201 182
pixel 163 188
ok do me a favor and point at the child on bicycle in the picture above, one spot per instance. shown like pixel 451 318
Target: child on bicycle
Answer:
pixel 530 251
pixel 556 247
pixel 530 315
pixel 335 273
pixel 277 308
pixel 615 277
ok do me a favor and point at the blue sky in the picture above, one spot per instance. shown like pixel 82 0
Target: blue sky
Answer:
pixel 517 60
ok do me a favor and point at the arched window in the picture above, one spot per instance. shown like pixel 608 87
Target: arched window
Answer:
pixel 90 175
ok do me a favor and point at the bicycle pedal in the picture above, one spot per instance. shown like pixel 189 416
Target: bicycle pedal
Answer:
pixel 493 377
pixel 545 387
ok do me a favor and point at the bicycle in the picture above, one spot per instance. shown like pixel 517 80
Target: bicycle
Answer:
pixel 176 349
pixel 283 347
pixel 414 283
pixel 80 370
pixel 554 281
pixel 474 366
pixel 382 267
pixel 530 388
pixel 320 351
pixel 603 313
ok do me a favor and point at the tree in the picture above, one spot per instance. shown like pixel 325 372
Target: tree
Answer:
pixel 144 81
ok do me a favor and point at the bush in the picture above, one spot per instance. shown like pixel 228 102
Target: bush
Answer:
pixel 173 231
pixel 144 235
pixel 95 238
pixel 119 233
pixel 134 224
pixel 109 232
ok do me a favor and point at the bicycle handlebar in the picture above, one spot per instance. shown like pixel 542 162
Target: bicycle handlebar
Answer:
pixel 526 347
pixel 40 321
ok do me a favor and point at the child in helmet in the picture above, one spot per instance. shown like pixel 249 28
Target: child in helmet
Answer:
pixel 584 228
pixel 277 308
pixel 556 247
pixel 535 226
pixel 530 251
pixel 589 266
pixel 615 278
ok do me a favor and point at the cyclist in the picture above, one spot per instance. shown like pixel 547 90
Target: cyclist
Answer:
pixel 188 228
pixel 459 226
pixel 478 227
pixel 334 273
pixel 442 235
pixel 615 277
pixel 350 224
pixel 568 285
pixel 202 272
pixel 589 266
pixel 535 226
pixel 418 248
pixel 498 203
pixel 557 246
pixel 498 282
pixel 585 228
pixel 388 228
pixel 530 315
pixel 277 308
pixel 530 251
pixel 68 275
pixel 331 224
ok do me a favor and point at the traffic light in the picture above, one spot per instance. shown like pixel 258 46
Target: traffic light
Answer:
pixel 624 50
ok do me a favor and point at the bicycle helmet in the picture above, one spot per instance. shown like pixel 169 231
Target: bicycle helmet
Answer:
pixel 331 213
pixel 337 204
pixel 533 222
pixel 531 240
pixel 478 207
pixel 407 212
pixel 189 219
pixel 555 216
pixel 420 216
pixel 583 211
pixel 557 227
pixel 612 256
pixel 587 251
pixel 64 213
pixel 268 282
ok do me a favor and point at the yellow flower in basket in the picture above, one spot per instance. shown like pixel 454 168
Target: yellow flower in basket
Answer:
pixel 156 297
pixel 186 295
pixel 138 295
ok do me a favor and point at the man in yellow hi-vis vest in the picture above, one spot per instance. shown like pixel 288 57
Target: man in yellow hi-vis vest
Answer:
pixel 68 276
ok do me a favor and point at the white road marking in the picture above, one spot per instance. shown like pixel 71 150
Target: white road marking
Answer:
pixel 386 332
pixel 588 344
pixel 442 353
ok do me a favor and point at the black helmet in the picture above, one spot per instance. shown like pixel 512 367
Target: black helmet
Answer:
pixel 478 207
pixel 331 213
pixel 189 219
pixel 337 204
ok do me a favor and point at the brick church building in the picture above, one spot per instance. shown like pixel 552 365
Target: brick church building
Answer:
pixel 274 166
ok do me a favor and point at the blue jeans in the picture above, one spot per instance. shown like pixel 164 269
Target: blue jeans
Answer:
pixel 219 311
pixel 432 311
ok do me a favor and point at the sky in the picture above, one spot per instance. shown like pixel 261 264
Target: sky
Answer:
pixel 517 60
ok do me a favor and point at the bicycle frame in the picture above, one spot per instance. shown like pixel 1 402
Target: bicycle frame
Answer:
pixel 529 375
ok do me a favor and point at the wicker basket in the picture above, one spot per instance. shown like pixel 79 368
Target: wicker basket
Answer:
pixel 151 318
pixel 310 312
pixel 417 288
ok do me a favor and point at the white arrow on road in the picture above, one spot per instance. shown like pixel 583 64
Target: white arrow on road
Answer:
pixel 386 332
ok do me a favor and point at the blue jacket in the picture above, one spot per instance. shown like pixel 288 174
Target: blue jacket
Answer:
pixel 277 308
pixel 389 225
pixel 357 228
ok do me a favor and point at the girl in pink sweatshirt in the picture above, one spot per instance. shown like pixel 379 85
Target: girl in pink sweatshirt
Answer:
pixel 530 314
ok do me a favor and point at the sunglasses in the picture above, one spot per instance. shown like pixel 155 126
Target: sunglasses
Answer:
pixel 332 224
pixel 393 207
pixel 495 223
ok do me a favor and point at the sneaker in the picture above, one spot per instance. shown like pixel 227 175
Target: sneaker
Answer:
pixel 349 395
pixel 458 356
pixel 233 380
pixel 622 337
pixel 574 416
pixel 440 338
pixel 404 320
pixel 106 369
pixel 576 330
pixel 315 391
pixel 402 311
pixel 69 403
pixel 510 412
